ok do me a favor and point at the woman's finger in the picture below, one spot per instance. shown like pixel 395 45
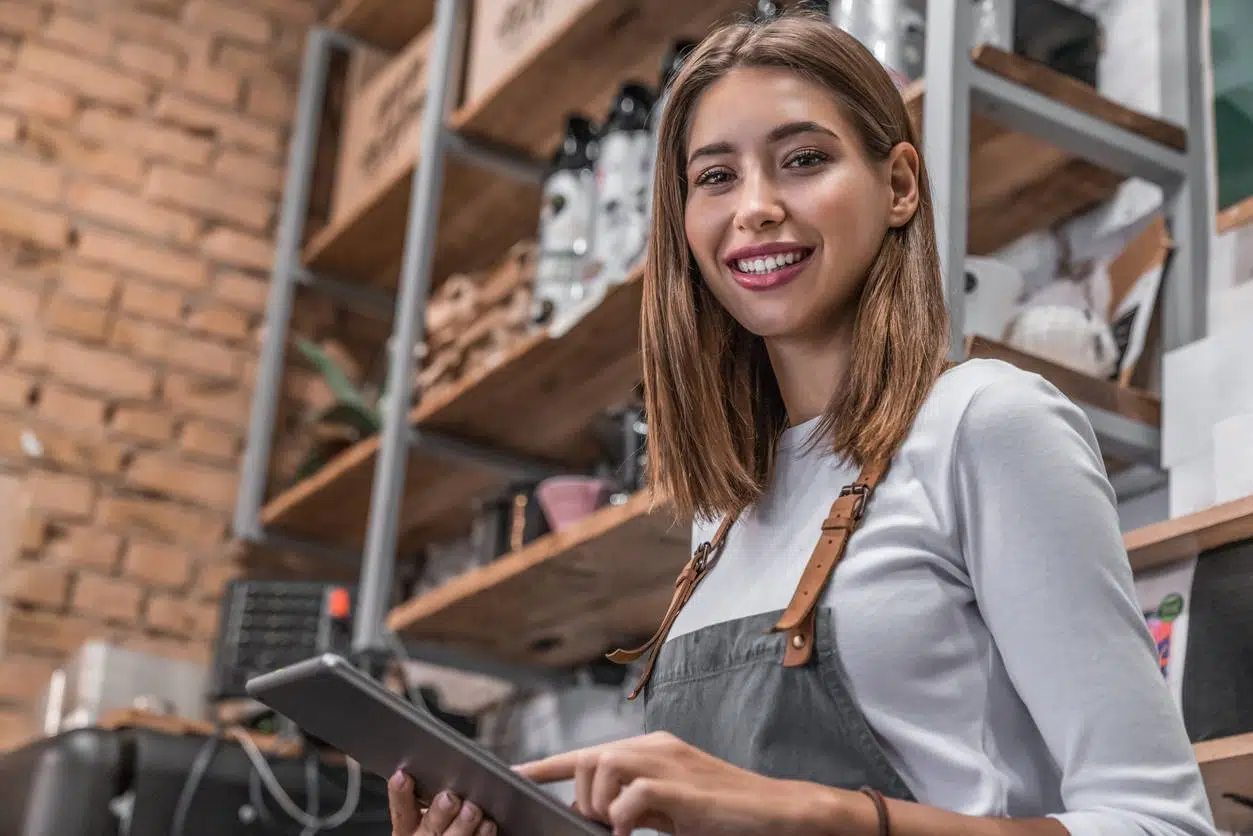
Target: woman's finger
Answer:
pixel 584 774
pixel 442 813
pixel 646 803
pixel 615 770
pixel 403 805
pixel 468 819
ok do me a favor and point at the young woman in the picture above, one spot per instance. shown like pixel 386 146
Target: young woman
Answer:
pixel 977 663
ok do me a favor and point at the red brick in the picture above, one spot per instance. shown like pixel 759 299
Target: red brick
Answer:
pixel 19 303
pixel 154 140
pixel 227 20
pixel 80 36
pixel 18 17
pixel 209 486
pixel 86 321
pixel 239 249
pixel 249 171
pixel 24 677
pixel 86 546
pixel 160 263
pixel 164 521
pixel 88 284
pixel 87 78
pixel 219 320
pixel 148 28
pixel 207 441
pixel 38 226
pixel 127 211
pixel 207 357
pixel 232 129
pixel 34 533
pixel 62 494
pixel 100 370
pixel 152 302
pixel 246 60
pixel 146 424
pixel 146 339
pixel 15 390
pixel 270 98
pixel 299 12
pixel 35 98
pixel 214 84
pixel 49 632
pixel 106 598
pixel 67 449
pixel 158 564
pixel 36 582
pixel 241 291
pixel 213 576
pixel 104 160
pixel 155 62
pixel 70 409
pixel 10 127
pixel 143 339
pixel 31 178
pixel 168 614
pixel 209 196
pixel 222 400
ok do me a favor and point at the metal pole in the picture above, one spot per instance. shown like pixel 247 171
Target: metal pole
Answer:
pixel 1189 208
pixel 374 590
pixel 946 144
pixel 301 156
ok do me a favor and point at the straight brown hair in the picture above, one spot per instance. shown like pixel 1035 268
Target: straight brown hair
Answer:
pixel 714 408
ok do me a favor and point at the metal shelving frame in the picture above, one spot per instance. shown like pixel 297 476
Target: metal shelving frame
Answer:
pixel 955 89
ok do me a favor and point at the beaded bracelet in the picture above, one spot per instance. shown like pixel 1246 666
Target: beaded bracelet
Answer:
pixel 881 807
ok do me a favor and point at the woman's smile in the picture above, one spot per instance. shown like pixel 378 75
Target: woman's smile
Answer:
pixel 767 266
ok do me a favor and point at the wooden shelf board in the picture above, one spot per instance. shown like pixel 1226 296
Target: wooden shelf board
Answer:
pixel 539 400
pixel 1128 401
pixel 1186 537
pixel 564 598
pixel 1020 183
pixel 1236 216
pixel 1227 767
pixel 388 24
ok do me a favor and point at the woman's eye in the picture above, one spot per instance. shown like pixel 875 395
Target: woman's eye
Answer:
pixel 713 177
pixel 806 159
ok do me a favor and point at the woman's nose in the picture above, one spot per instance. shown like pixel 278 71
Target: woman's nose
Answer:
pixel 760 205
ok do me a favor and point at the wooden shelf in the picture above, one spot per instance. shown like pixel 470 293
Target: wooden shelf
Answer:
pixel 1020 183
pixel 1186 537
pixel 539 400
pixel 1128 401
pixel 1235 216
pixel 1227 767
pixel 564 598
pixel 388 24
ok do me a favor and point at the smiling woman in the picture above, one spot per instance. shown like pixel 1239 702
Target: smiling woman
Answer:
pixel 909 609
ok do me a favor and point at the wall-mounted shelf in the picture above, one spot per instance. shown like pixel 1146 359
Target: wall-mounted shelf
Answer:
pixel 388 24
pixel 1227 767
pixel 1188 536
pixel 564 598
pixel 1234 217
pixel 538 401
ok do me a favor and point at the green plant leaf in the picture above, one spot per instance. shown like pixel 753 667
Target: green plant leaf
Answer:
pixel 341 387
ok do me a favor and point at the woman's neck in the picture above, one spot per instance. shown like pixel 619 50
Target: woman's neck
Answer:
pixel 810 371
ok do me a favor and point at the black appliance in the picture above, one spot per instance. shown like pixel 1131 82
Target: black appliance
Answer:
pixel 1066 39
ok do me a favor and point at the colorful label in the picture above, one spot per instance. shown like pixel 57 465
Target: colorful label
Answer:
pixel 1161 623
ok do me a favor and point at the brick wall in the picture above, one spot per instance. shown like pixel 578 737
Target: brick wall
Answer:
pixel 141 153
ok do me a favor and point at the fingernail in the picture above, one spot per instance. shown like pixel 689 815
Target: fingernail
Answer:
pixel 469 811
pixel 398 780
pixel 445 800
pixel 487 829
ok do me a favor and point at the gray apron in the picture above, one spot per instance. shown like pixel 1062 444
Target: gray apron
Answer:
pixel 768 693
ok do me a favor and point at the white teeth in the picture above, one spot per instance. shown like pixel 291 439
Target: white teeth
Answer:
pixel 768 264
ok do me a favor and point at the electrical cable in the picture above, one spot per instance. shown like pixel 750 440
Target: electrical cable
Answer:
pixel 346 811
pixel 199 768
pixel 312 790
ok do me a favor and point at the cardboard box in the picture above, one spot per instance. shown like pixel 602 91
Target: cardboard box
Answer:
pixel 383 120
pixel 505 34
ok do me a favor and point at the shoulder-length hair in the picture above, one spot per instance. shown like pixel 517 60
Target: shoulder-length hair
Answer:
pixel 714 408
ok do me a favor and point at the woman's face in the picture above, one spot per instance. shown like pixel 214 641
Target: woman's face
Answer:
pixel 784 212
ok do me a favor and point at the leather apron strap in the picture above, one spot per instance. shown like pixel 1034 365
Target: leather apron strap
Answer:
pixel 799 617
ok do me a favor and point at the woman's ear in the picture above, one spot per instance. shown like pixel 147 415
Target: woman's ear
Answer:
pixel 903 180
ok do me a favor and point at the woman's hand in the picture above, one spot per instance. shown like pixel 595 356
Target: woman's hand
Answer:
pixel 447 816
pixel 657 781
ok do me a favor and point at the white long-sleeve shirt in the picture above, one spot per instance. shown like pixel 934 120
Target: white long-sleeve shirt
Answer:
pixel 984 612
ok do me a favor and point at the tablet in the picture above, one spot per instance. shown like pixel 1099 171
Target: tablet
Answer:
pixel 332 700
